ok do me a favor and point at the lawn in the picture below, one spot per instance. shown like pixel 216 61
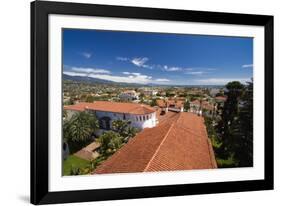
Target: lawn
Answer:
pixel 74 162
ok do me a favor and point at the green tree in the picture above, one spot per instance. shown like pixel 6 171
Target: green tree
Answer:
pixel 186 105
pixel 64 114
pixel 110 142
pixel 130 133
pixel 211 130
pixel 244 129
pixel 229 127
pixel 123 128
pixel 120 126
pixel 80 127
pixel 153 102
pixel 90 98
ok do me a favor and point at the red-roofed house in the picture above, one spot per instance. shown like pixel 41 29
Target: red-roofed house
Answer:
pixel 140 116
pixel 170 105
pixel 200 107
pixel 220 99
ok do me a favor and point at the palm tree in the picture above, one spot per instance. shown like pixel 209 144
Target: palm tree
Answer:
pixel 123 128
pixel 80 127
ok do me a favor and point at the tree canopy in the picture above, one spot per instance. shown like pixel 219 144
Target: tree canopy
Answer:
pixel 235 129
pixel 80 127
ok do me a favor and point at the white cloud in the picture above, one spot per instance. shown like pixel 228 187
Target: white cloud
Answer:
pixel 129 78
pixel 247 65
pixel 200 68
pixel 142 79
pixel 90 70
pixel 132 73
pixel 171 69
pixel 140 61
pixel 189 69
pixel 176 68
pixel 196 73
pixel 70 73
pixel 127 73
pixel 162 80
pixel 220 81
pixel 87 55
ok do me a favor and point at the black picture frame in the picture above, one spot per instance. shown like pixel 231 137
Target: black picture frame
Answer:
pixel 39 102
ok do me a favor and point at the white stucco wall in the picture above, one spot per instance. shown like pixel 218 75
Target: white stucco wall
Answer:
pixel 139 121
pixel 128 96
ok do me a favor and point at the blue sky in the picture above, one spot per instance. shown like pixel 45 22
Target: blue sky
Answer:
pixel 139 57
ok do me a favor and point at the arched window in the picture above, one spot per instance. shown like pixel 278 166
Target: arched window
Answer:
pixel 104 123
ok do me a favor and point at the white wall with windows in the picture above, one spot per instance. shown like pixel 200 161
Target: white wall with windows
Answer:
pixel 139 121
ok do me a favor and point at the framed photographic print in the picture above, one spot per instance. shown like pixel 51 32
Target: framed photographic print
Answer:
pixel 133 102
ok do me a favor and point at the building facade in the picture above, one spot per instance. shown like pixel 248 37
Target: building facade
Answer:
pixel 202 108
pixel 140 116
pixel 129 95
pixel 170 105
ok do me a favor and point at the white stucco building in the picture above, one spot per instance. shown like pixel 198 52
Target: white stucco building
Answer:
pixel 141 116
pixel 129 95
pixel 149 91
pixel 170 105
pixel 201 108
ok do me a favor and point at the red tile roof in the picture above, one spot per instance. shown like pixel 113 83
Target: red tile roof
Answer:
pixel 169 103
pixel 180 143
pixel 203 104
pixel 196 101
pixel 206 105
pixel 117 107
pixel 221 98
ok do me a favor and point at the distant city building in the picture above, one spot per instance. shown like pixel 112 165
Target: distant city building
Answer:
pixel 214 91
pixel 170 105
pixel 201 107
pixel 149 92
pixel 220 99
pixel 140 116
pixel 129 95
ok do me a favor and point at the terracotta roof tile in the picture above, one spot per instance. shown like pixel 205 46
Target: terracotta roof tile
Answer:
pixel 117 107
pixel 165 103
pixel 221 98
pixel 178 143
pixel 203 104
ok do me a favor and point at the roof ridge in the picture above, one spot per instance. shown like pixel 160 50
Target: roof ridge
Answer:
pixel 158 148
